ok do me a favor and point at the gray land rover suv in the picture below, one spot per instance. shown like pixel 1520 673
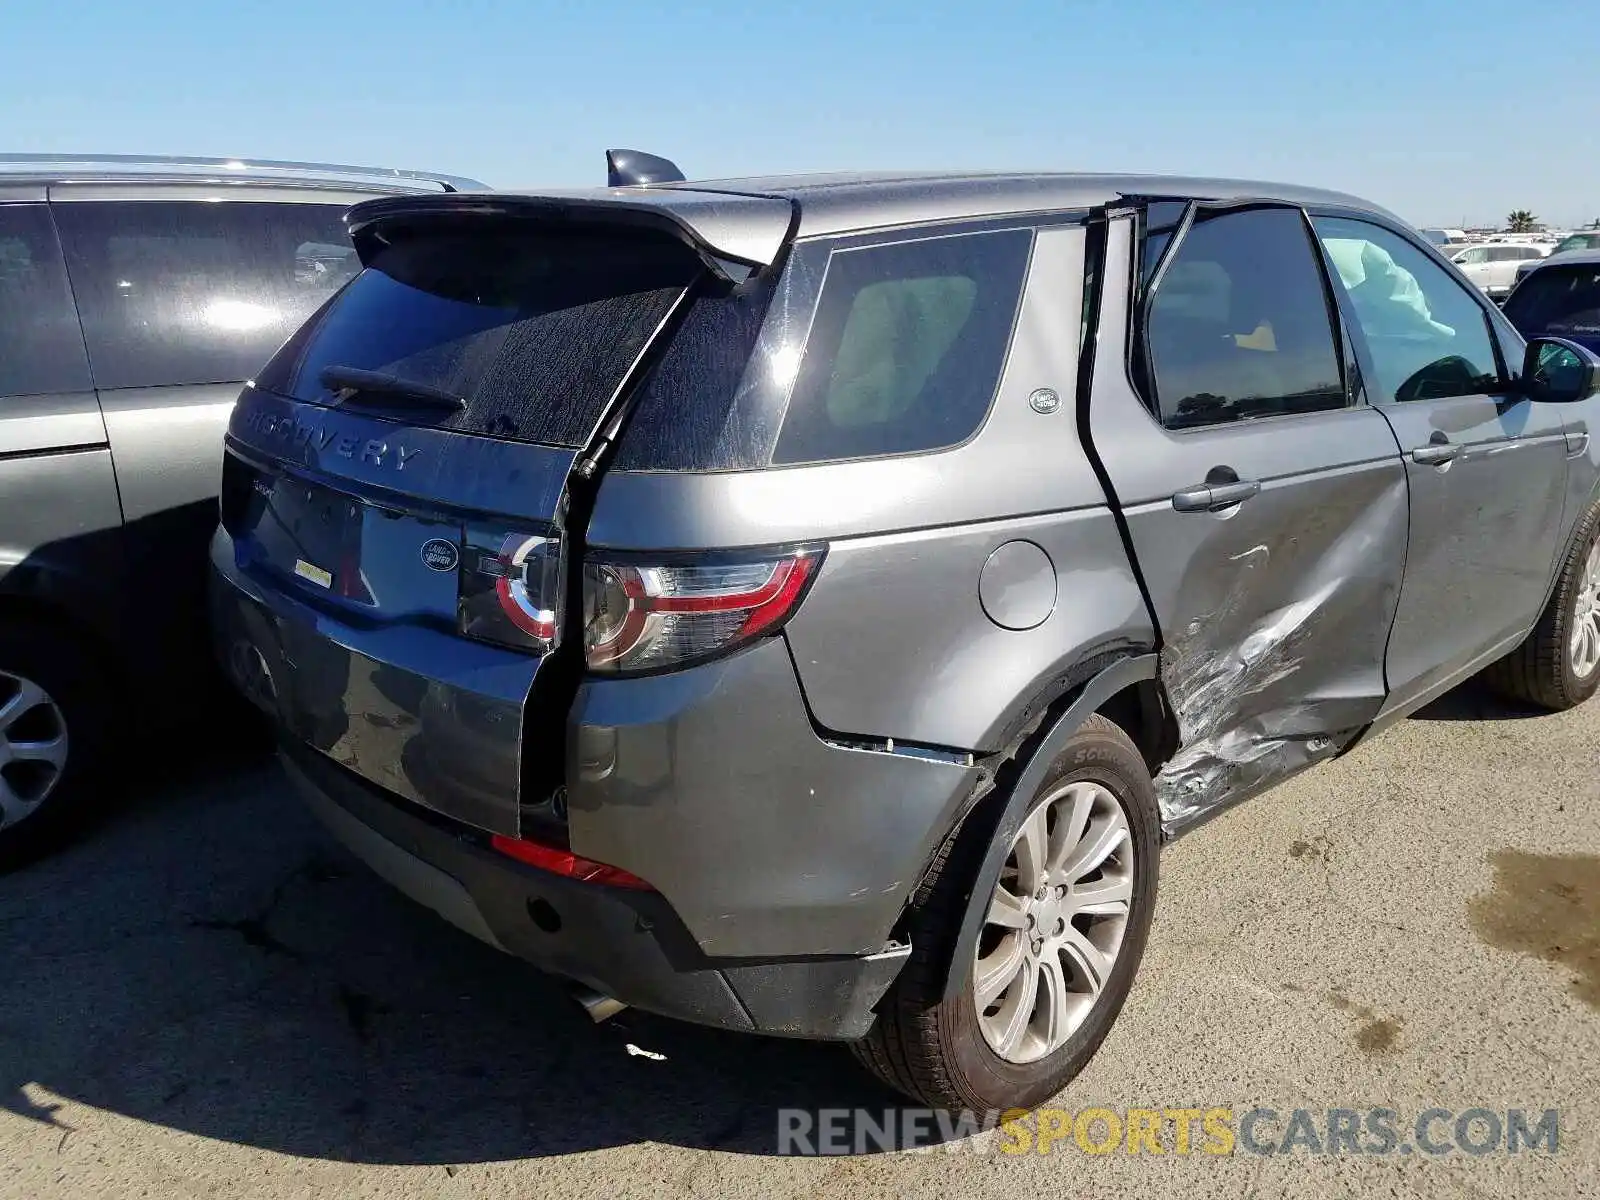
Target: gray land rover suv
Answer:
pixel 806 605
pixel 136 296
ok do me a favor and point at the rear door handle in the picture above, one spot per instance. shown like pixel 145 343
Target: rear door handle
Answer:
pixel 1435 453
pixel 1209 497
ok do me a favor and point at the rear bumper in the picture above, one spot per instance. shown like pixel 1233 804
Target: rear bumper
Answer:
pixel 626 944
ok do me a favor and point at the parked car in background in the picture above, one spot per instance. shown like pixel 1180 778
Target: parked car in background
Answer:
pixel 1588 239
pixel 1444 237
pixel 1560 298
pixel 136 296
pixel 829 649
pixel 1492 266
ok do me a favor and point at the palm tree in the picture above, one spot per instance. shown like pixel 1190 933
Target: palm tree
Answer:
pixel 1521 221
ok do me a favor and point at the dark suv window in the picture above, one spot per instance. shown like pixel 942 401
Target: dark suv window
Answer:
pixel 185 292
pixel 41 349
pixel 906 347
pixel 1238 324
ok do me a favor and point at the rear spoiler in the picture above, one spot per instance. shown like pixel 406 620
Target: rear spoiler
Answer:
pixel 735 234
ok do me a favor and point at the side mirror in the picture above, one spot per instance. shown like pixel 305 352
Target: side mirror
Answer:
pixel 1559 372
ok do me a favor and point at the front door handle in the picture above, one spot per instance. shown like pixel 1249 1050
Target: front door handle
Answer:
pixel 1436 453
pixel 1209 497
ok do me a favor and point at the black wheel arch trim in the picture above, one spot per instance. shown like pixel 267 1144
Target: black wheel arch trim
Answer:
pixel 1096 692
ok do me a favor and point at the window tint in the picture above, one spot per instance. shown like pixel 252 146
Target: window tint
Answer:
pixel 41 349
pixel 906 347
pixel 1563 301
pixel 534 330
pixel 1238 324
pixel 184 292
pixel 1426 332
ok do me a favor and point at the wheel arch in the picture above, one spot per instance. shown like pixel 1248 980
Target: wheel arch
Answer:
pixel 1126 689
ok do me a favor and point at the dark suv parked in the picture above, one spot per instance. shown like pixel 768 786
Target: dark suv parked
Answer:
pixel 805 605
pixel 136 295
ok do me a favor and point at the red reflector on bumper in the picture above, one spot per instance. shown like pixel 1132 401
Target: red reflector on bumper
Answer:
pixel 564 862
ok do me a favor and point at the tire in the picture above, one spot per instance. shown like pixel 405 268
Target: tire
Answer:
pixel 71 698
pixel 1541 671
pixel 936 1051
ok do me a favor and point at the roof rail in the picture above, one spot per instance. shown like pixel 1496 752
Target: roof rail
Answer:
pixel 246 167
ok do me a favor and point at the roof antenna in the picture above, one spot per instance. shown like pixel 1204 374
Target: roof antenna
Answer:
pixel 631 168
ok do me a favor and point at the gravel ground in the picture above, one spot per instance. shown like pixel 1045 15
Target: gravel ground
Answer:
pixel 206 997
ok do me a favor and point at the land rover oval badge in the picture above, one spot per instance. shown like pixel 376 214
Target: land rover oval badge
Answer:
pixel 440 554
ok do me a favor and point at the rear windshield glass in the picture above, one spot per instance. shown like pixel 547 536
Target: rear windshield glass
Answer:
pixel 906 348
pixel 534 331
pixel 1558 300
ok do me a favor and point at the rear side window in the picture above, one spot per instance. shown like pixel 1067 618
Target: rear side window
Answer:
pixel 1238 324
pixel 1558 300
pixel 187 292
pixel 906 347
pixel 41 349
pixel 533 330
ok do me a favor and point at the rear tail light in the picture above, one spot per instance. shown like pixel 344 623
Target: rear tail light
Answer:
pixel 510 585
pixel 642 618
pixel 565 862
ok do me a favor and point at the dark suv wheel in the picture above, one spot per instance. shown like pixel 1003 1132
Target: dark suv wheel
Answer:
pixel 1063 933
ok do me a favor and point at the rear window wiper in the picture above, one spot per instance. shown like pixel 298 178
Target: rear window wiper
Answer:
pixel 348 382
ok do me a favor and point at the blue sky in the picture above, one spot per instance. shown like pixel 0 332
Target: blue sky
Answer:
pixel 1441 111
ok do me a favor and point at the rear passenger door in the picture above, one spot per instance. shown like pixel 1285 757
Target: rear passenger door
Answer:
pixel 1487 467
pixel 1265 504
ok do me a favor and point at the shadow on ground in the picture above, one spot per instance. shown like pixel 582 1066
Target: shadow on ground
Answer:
pixel 1475 701
pixel 208 960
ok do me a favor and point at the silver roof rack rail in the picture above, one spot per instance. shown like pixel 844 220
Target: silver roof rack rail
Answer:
pixel 261 168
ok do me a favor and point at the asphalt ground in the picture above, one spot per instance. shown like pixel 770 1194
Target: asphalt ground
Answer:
pixel 206 996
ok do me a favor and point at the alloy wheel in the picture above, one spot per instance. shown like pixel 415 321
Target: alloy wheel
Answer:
pixel 1585 642
pixel 1055 923
pixel 33 747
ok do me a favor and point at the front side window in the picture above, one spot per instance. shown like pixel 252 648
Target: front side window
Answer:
pixel 41 349
pixel 1471 258
pixel 1427 334
pixel 1238 324
pixel 187 292
pixel 906 347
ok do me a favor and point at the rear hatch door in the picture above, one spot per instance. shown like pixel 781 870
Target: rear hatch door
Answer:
pixel 401 479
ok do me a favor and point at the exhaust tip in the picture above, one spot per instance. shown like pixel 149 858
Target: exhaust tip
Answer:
pixel 599 1006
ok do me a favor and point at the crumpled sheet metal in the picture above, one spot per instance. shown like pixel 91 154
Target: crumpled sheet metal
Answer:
pixel 1223 754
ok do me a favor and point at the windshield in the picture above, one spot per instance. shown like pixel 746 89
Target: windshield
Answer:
pixel 1578 241
pixel 1561 301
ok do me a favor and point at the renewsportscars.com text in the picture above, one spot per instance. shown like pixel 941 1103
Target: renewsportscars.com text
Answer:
pixel 1179 1131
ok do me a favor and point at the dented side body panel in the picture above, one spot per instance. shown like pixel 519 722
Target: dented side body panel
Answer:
pixel 1274 613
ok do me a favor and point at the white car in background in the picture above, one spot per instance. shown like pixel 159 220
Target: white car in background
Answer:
pixel 1492 266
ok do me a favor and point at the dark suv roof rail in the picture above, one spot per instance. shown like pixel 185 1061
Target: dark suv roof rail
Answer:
pixel 260 168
